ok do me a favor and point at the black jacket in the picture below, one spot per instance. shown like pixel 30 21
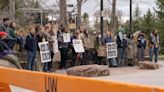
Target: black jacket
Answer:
pixel 31 43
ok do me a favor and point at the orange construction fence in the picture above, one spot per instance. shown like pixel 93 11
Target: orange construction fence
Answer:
pixel 44 82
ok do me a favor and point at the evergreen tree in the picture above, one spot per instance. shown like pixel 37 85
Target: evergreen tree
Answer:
pixel 160 20
pixel 137 19
pixel 148 22
pixel 160 14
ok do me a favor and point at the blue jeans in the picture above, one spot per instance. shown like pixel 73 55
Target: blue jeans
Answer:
pixel 121 55
pixel 48 65
pixel 141 54
pixel 154 52
pixel 30 59
pixel 111 61
pixel 151 54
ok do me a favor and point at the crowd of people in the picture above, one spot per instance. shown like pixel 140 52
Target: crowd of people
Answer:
pixel 50 32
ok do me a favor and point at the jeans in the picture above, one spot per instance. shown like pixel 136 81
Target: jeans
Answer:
pixel 121 55
pixel 154 52
pixel 151 54
pixel 111 62
pixel 64 53
pixel 31 59
pixel 48 65
pixel 141 54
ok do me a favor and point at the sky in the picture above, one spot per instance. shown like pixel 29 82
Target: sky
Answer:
pixel 91 6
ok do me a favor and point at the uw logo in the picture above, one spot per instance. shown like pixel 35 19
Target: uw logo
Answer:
pixel 50 84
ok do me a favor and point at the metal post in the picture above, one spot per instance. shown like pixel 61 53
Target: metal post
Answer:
pixel 130 23
pixel 101 18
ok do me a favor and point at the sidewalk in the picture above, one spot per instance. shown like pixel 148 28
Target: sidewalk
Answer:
pixel 150 77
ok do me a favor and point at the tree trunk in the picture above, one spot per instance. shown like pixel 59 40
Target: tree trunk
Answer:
pixel 79 4
pixel 12 9
pixel 63 12
pixel 113 16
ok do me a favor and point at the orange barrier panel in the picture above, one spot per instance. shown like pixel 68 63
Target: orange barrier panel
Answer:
pixel 43 82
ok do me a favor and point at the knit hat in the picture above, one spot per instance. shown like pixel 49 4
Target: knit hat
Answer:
pixel 2 34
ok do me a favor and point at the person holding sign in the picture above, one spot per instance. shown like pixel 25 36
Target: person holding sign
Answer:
pixel 84 36
pixel 109 39
pixel 63 47
pixel 75 55
pixel 50 38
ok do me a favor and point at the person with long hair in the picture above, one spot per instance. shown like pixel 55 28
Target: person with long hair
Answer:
pixel 154 45
pixel 141 46
pixel 63 47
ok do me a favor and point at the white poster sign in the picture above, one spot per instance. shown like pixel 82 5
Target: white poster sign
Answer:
pixel 55 44
pixel 111 50
pixel 78 46
pixel 44 52
pixel 66 37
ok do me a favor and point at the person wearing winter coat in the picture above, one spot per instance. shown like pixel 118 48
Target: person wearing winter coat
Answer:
pixel 141 46
pixel 121 46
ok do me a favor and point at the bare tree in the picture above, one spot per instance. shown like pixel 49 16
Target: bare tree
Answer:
pixel 79 5
pixel 113 16
pixel 12 9
pixel 63 12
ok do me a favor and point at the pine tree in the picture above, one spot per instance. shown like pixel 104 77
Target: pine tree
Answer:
pixel 148 22
pixel 160 18
pixel 137 19
pixel 160 14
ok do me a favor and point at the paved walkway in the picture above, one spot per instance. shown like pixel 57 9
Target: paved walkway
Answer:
pixel 151 77
pixel 134 75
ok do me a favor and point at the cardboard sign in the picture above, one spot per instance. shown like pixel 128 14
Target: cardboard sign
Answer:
pixel 66 37
pixel 44 52
pixel 111 50
pixel 55 44
pixel 78 46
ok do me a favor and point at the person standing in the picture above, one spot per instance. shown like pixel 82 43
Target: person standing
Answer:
pixel 63 47
pixel 154 45
pixel 41 38
pixel 31 48
pixel 141 46
pixel 12 38
pixel 50 36
pixel 84 36
pixel 5 25
pixel 75 55
pixel 130 50
pixel 109 39
pixel 121 46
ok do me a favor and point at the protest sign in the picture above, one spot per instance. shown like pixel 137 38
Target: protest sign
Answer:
pixel 111 50
pixel 44 52
pixel 78 46
pixel 55 44
pixel 66 37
